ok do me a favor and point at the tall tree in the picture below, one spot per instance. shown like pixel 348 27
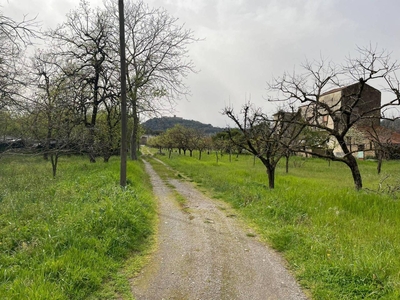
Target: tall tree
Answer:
pixel 157 60
pixel 84 41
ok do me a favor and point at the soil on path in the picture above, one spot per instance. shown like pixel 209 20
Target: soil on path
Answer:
pixel 204 252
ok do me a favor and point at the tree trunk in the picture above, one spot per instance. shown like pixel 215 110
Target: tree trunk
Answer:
pixel 92 154
pixel 380 159
pixel 271 176
pixel 200 154
pixel 355 171
pixel 47 147
pixel 351 161
pixel 135 128
pixel 379 167
pixel 134 136
pixel 107 151
pixel 106 156
pixel 270 171
pixel 92 132
pixel 54 162
pixel 287 163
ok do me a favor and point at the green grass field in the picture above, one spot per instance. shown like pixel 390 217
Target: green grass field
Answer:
pixel 70 237
pixel 339 243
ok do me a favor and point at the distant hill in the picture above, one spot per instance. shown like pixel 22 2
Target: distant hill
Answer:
pixel 158 125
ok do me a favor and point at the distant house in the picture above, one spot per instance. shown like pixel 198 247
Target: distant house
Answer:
pixel 144 139
pixel 380 138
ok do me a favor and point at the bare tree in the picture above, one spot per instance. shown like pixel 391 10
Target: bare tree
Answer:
pixel 49 84
pixel 83 46
pixel 265 137
pixel 52 118
pixel 330 105
pixel 15 36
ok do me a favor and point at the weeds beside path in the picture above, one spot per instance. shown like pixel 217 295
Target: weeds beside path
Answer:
pixel 204 252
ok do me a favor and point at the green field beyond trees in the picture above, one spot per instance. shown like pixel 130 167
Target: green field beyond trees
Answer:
pixel 68 237
pixel 340 243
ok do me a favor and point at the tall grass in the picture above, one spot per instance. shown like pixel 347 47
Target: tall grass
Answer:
pixel 62 238
pixel 340 243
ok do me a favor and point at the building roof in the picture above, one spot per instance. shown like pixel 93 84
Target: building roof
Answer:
pixel 333 91
pixel 342 88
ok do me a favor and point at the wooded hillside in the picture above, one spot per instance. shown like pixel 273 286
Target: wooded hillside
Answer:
pixel 158 125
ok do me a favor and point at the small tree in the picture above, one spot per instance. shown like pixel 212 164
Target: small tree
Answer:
pixel 229 141
pixel 156 142
pixel 203 142
pixel 52 120
pixel 264 137
pixel 178 138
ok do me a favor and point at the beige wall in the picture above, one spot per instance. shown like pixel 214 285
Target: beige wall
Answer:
pixel 337 101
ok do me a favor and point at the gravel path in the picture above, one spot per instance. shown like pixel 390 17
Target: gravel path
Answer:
pixel 205 252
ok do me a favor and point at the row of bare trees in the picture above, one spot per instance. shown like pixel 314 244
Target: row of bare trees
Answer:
pixel 67 94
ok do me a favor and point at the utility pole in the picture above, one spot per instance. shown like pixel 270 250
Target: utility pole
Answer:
pixel 124 117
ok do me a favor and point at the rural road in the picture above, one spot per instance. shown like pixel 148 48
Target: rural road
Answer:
pixel 204 252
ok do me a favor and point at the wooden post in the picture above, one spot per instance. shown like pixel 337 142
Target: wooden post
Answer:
pixel 124 117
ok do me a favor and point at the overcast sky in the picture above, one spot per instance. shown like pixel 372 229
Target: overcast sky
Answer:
pixel 247 42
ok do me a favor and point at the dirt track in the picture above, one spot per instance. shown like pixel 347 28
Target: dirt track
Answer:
pixel 204 252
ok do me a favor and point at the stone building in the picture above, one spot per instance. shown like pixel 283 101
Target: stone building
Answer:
pixel 335 109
